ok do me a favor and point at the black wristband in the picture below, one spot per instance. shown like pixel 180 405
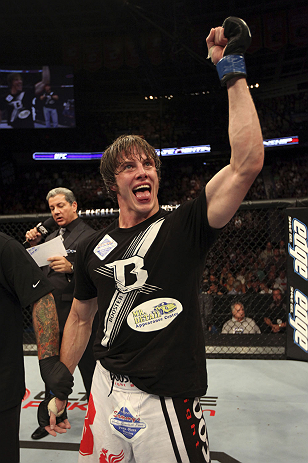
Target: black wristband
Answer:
pixel 56 376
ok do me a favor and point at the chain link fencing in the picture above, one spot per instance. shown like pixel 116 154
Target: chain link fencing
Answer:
pixel 245 265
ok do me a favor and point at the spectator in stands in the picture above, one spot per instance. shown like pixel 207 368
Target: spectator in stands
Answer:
pixel 277 260
pixel 271 278
pixel 239 324
pixel 210 282
pixel 267 252
pixel 211 328
pixel 282 248
pixel 260 269
pixel 264 289
pixel 281 281
pixel 223 276
pixel 252 285
pixel 216 289
pixel 240 275
pixel 237 287
pixel 230 282
pixel 275 320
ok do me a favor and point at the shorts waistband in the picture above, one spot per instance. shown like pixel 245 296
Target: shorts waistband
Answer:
pixel 118 382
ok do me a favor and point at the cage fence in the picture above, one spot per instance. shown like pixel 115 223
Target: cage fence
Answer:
pixel 244 266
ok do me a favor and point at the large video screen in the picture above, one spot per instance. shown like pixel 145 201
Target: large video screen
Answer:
pixel 37 97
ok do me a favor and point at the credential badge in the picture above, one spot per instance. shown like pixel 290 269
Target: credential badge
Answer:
pixel 104 247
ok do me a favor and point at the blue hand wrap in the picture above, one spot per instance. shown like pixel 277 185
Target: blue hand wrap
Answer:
pixel 231 66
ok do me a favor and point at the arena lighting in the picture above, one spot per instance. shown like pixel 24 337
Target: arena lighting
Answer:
pixel 177 151
pixel 254 86
pixel 151 97
pixel 282 141
pixel 182 150
pixel 44 156
pixel 47 156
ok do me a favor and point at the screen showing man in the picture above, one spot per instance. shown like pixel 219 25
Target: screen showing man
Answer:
pixel 35 98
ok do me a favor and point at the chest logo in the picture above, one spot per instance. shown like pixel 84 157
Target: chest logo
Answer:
pixel 140 274
pixel 154 315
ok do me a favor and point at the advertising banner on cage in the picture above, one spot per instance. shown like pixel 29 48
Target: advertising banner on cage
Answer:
pixel 297 273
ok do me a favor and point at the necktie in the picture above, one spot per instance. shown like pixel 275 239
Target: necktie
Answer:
pixel 61 233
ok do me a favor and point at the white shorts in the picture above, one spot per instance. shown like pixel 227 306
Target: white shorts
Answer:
pixel 131 426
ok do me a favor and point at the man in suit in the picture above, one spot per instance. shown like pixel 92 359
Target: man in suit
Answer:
pixel 60 272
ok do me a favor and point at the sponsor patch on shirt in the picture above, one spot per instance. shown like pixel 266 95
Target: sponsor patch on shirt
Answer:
pixel 154 315
pixel 125 423
pixel 24 114
pixel 104 247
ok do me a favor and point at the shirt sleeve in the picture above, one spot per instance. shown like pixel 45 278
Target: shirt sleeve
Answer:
pixel 23 277
pixel 192 219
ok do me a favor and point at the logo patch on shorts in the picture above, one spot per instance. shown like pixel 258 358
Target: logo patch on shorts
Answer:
pixel 104 247
pixel 105 458
pixel 126 423
pixel 154 315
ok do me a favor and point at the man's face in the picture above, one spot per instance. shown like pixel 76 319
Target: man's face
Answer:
pixel 62 211
pixel 238 312
pixel 16 85
pixel 136 187
pixel 276 296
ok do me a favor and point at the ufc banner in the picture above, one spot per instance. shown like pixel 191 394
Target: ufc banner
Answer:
pixel 297 273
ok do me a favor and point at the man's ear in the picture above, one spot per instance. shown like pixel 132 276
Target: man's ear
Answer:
pixel 113 187
pixel 74 204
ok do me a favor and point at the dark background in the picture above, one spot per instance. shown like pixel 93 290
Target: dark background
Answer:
pixel 123 52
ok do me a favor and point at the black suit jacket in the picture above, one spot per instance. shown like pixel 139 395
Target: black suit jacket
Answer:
pixel 64 283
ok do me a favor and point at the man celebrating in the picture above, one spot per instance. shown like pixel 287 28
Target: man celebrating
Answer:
pixel 19 101
pixel 142 274
pixel 60 273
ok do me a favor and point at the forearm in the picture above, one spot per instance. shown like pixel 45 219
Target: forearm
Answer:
pixel 39 87
pixel 246 141
pixel 77 332
pixel 46 326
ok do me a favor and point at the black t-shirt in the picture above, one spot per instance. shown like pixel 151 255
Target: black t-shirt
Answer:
pixel 277 314
pixel 50 102
pixel 146 279
pixel 19 108
pixel 21 283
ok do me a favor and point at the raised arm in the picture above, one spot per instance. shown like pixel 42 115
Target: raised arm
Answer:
pixel 77 332
pixel 227 189
pixel 39 86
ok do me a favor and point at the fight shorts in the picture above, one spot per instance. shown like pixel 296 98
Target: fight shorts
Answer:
pixel 125 424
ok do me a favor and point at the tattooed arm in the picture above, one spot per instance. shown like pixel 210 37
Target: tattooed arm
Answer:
pixel 53 372
pixel 46 326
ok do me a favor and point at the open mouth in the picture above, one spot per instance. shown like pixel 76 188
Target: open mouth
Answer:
pixel 142 192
